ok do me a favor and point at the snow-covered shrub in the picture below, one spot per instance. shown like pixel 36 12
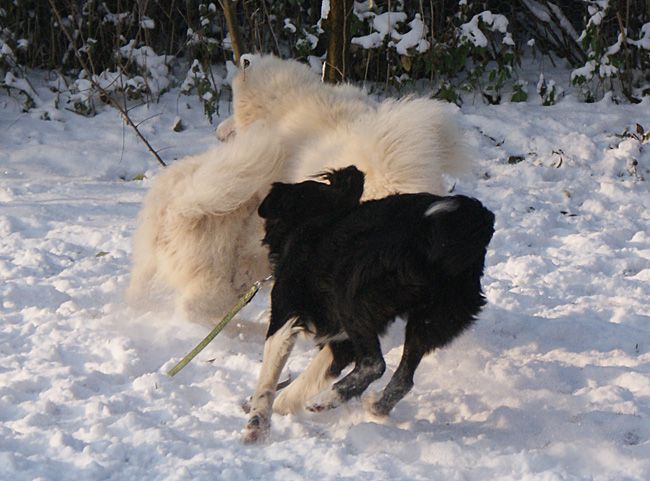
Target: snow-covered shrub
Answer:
pixel 22 86
pixel 206 38
pixel 628 153
pixel 207 87
pixel 149 72
pixel 454 49
pixel 492 51
pixel 549 92
pixel 614 53
pixel 7 59
pixel 393 30
pixel 390 46
pixel 300 35
pixel 140 74
pixel 11 76
pixel 519 92
pixel 473 49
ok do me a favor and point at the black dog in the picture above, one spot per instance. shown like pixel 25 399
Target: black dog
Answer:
pixel 344 270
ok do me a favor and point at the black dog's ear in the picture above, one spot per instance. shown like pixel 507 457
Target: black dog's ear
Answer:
pixel 272 201
pixel 348 181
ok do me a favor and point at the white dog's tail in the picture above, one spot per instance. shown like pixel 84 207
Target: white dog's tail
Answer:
pixel 407 146
pixel 231 174
pixel 216 182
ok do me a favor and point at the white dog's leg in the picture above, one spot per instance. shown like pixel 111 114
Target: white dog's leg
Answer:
pixel 314 379
pixel 142 275
pixel 205 298
pixel 276 352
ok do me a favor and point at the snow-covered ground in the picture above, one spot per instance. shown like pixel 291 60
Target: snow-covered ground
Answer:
pixel 552 383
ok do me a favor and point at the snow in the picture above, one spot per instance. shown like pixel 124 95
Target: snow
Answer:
pixel 471 30
pixel 597 16
pixel 154 65
pixel 372 40
pixel 384 24
pixel 10 80
pixel 552 383
pixel 324 9
pixel 5 50
pixel 644 39
pixel 289 27
pixel 586 71
pixel 147 23
pixel 413 38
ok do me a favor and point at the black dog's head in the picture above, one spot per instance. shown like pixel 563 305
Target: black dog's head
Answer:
pixel 288 206
pixel 296 203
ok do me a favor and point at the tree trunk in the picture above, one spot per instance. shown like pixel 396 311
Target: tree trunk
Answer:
pixel 229 12
pixel 337 26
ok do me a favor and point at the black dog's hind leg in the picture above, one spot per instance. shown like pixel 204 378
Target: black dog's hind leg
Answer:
pixel 369 366
pixel 416 344
pixel 323 369
pixel 342 356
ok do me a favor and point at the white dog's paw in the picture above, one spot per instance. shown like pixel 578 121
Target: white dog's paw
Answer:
pixel 325 401
pixel 226 129
pixel 257 429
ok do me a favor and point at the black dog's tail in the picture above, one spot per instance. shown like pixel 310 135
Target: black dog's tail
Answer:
pixel 459 230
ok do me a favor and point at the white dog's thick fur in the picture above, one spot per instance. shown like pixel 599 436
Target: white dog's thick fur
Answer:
pixel 199 232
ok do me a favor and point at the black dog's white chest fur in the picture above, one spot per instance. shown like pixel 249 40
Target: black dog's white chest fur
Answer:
pixel 344 270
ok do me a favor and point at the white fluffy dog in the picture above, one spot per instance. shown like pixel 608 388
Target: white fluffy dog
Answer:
pixel 198 231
